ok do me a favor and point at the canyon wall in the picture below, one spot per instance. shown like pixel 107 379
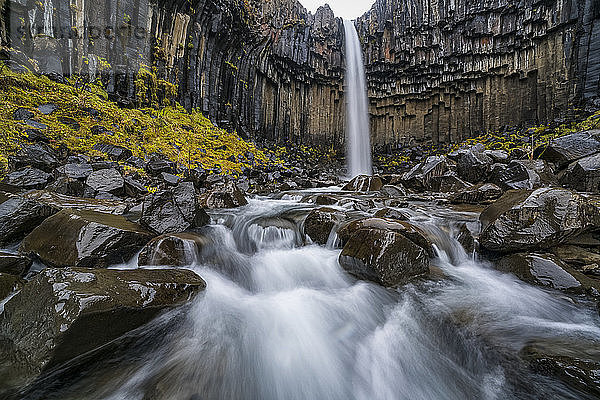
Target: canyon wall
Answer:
pixel 437 70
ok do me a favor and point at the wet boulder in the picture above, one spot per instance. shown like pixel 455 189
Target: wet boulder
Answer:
pixel 63 313
pixel 448 183
pixel 59 201
pixel 28 178
pixel 174 210
pixel 176 249
pixel 156 165
pixel 544 270
pixel 225 195
pixel 116 153
pixel 9 283
pixel 320 222
pixel 75 170
pixel 473 166
pixel 85 238
pixel 325 200
pixel 566 149
pixel 14 264
pixel 420 176
pixel 392 213
pixel 482 193
pixel 577 256
pixel 383 256
pixel 538 219
pixel 37 155
pixel 466 239
pixel 392 191
pixel 19 216
pixel 410 231
pixel 364 183
pixel 521 174
pixel 583 175
pixel 107 180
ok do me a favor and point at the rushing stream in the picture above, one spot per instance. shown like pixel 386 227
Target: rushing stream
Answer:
pixel 282 320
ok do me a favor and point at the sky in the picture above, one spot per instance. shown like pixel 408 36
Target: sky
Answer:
pixel 347 9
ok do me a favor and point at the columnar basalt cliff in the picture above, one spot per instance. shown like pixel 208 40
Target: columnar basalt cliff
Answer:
pixel 438 71
pixel 445 70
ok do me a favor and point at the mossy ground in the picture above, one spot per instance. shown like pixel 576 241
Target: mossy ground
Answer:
pixel 187 138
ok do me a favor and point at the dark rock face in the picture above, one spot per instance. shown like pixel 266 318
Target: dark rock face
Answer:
pixel 319 223
pixel 483 193
pixel 85 239
pixel 384 257
pixel 173 211
pixel 59 201
pixel 521 174
pixel 73 311
pixel 9 283
pixel 364 183
pixel 421 175
pixel 566 149
pixel 14 264
pixel 523 220
pixel 37 155
pixel 116 153
pixel 473 166
pixel 179 249
pixel 393 214
pixel 226 195
pixel 583 175
pixel 28 178
pixel 76 170
pixel 107 180
pixel 19 216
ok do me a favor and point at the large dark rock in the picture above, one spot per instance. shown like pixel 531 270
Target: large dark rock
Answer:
pixel 320 221
pixel 59 201
pixel 566 149
pixel 84 238
pixel 420 175
pixel 482 193
pixel 8 284
pixel 384 257
pixel 473 165
pixel 525 219
pixel 364 183
pixel 177 249
pixel 410 231
pixel 37 155
pixel 14 264
pixel 67 186
pixel 583 175
pixel 387 212
pixel 19 216
pixel 76 170
pixel 577 256
pixel 174 210
pixel 226 195
pixel 522 174
pixel 28 178
pixel 156 165
pixel 116 153
pixel 63 313
pixel 447 183
pixel 107 180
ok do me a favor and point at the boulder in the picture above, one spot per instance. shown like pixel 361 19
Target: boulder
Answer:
pixel 178 249
pixel 67 186
pixel 76 170
pixel 28 178
pixel 392 191
pixel 156 165
pixel 364 183
pixel 420 175
pixel 566 149
pixel 134 188
pixel 447 183
pixel 14 264
pixel 521 174
pixel 172 211
pixel 169 179
pixel 8 284
pixel 575 255
pixel 410 231
pixel 525 219
pixel 382 256
pixel 466 239
pixel 391 213
pixel 63 313
pixel 544 270
pixel 583 175
pixel 498 156
pixel 324 200
pixel 320 222
pixel 19 216
pixel 482 193
pixel 226 195
pixel 473 166
pixel 84 238
pixel 59 201
pixel 37 155
pixel 107 180
pixel 116 153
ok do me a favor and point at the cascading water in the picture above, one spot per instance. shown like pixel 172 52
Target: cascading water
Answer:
pixel 282 320
pixel 357 112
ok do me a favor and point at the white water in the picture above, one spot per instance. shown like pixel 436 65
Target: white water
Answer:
pixel 279 320
pixel 357 113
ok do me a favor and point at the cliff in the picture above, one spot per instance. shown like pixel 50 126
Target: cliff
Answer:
pixel 437 70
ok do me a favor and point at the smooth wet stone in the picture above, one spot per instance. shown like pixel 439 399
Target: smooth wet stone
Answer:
pixel 14 264
pixel 84 238
pixel 466 239
pixel 566 149
pixel 156 165
pixel 482 193
pixel 392 191
pixel 324 200
pixel 387 212
pixel 383 256
pixel 420 176
pixel 37 155
pixel 63 313
pixel 172 211
pixel 576 255
pixel 170 179
pixel 226 195
pixel 583 175
pixel 410 231
pixel 28 178
pixel 447 183
pixel 176 249
pixel 525 219
pixel 364 183
pixel 76 170
pixel 134 188
pixel 521 174
pixel 9 283
pixel 320 222
pixel 60 201
pixel 114 152
pixel 106 180
pixel 473 165
pixel 19 216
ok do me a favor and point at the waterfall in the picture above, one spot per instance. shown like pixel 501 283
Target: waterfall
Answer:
pixel 357 113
